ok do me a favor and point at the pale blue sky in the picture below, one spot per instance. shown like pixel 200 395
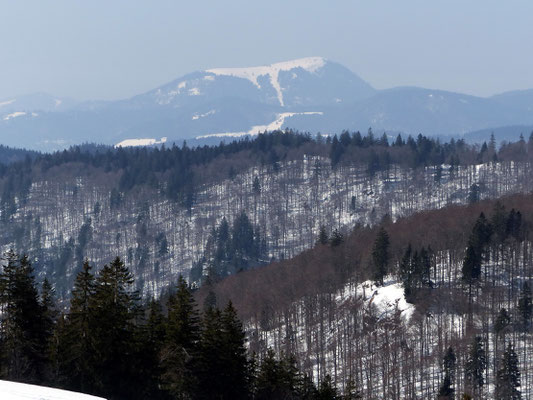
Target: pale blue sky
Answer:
pixel 96 49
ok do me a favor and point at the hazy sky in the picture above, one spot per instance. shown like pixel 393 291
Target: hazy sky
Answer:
pixel 107 49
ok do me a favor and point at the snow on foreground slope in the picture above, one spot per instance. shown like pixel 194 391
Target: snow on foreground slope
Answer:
pixel 23 391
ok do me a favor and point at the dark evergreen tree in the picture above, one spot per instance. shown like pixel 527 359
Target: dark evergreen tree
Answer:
pixel 446 391
pixel 76 355
pixel 209 364
pixel 352 392
pixel 327 390
pixel 115 307
pixel 26 328
pixel 508 377
pixel 502 322
pixel 181 342
pixel 233 356
pixel 380 255
pixel 449 364
pixel 323 235
pixel 475 366
pixel 336 238
pixel 525 306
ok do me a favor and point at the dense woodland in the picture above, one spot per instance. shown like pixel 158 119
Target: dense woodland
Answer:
pixel 304 235
pixel 308 331
pixel 96 202
pixel 111 344
pixel 466 270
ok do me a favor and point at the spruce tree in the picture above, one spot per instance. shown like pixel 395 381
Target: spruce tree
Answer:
pixel 181 342
pixel 233 354
pixel 209 365
pixel 26 329
pixel 327 390
pixel 76 349
pixel 508 377
pixel 336 238
pixel 475 365
pixel 115 305
pixel 380 255
pixel 323 235
pixel 446 391
pixel 525 306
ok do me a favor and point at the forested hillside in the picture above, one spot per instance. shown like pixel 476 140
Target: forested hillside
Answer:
pixel 162 210
pixel 437 304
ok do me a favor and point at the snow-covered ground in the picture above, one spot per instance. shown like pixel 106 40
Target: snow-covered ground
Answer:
pixel 310 64
pixel 23 391
pixel 256 129
pixel 140 142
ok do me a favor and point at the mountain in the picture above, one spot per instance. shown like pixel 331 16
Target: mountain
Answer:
pixel 519 99
pixel 309 94
pixel 34 103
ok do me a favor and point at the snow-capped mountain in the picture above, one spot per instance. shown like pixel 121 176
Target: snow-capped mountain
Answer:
pixel 310 94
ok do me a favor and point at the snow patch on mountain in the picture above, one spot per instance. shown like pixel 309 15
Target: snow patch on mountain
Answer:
pixel 24 391
pixel 6 103
pixel 207 114
pixel 256 129
pixel 140 142
pixel 14 115
pixel 310 64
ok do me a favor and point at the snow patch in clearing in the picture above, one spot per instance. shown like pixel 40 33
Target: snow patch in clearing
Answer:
pixel 194 92
pixel 209 78
pixel 140 142
pixel 14 115
pixel 256 129
pixel 23 391
pixel 310 64
pixel 387 297
pixel 58 102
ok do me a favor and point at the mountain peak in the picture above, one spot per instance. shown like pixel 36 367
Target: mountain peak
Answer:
pixel 310 64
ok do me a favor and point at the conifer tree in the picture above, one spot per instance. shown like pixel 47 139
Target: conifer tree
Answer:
pixel 352 392
pixel 446 391
pixel 76 350
pixel 475 365
pixel 181 342
pixel 525 306
pixel 503 320
pixel 210 366
pixel 508 377
pixel 26 335
pixel 233 355
pixel 115 306
pixel 380 255
pixel 323 235
pixel 327 390
pixel 336 238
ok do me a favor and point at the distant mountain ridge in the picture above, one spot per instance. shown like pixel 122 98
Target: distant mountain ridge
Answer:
pixel 310 94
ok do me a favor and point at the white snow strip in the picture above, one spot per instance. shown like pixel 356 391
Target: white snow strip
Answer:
pixel 310 64
pixel 6 103
pixel 194 92
pixel 207 114
pixel 23 391
pixel 140 142
pixel 14 115
pixel 256 129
